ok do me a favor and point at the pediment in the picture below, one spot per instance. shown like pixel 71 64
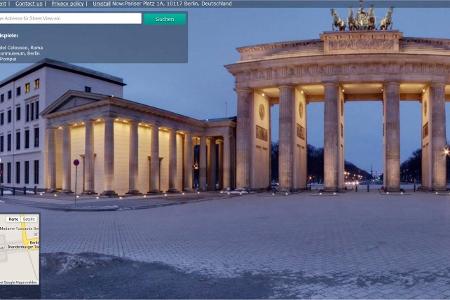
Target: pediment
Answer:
pixel 71 100
pixel 74 102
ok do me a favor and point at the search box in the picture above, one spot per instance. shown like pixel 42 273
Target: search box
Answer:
pixel 70 18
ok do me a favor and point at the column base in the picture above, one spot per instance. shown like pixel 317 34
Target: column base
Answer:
pixel 109 194
pixel 67 191
pixel 133 192
pixel 154 192
pixel 189 190
pixel 392 190
pixel 89 193
pixel 332 190
pixel 172 191
pixel 47 190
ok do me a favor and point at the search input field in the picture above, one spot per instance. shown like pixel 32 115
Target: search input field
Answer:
pixel 70 18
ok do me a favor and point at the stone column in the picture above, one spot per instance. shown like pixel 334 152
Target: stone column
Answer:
pixel 243 138
pixel 203 163
pixel 51 159
pixel 173 161
pixel 286 136
pixel 332 152
pixel 109 157
pixel 134 158
pixel 154 161
pixel 212 164
pixel 220 164
pixel 226 162
pixel 438 137
pixel 66 160
pixel 89 157
pixel 188 161
pixel 391 176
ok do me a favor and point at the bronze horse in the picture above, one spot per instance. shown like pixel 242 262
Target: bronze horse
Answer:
pixel 351 21
pixel 338 23
pixel 386 22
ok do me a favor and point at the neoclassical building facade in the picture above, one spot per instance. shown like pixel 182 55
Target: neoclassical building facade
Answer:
pixel 341 66
pixel 125 147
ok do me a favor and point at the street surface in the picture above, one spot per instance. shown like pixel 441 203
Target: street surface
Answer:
pixel 352 245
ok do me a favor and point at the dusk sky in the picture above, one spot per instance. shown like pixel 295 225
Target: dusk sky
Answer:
pixel 202 87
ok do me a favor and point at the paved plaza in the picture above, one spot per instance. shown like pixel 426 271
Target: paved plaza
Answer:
pixel 352 245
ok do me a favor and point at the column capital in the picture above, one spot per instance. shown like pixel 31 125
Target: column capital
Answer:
pixel 333 83
pixel 391 83
pixel 243 90
pixel 286 86
pixel 436 84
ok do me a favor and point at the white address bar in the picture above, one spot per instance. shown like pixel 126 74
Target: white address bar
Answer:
pixel 70 18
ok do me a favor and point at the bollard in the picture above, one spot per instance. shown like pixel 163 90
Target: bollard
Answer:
pixel 14 191
pixel 1 191
pixel 35 190
pixel 368 187
pixel 24 190
pixel 356 188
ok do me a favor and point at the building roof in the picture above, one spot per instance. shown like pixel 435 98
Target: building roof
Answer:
pixel 54 107
pixel 50 63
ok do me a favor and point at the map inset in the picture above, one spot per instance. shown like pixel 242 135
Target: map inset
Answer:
pixel 19 249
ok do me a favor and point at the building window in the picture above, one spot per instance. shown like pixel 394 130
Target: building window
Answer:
pixel 32 111
pixel 27 112
pixel 2 118
pixel 18 91
pixel 36 109
pixel 27 172
pixel 8 172
pixel 87 89
pixel 8 142
pixel 27 87
pixel 18 140
pixel 18 113
pixel 2 143
pixel 36 172
pixel 17 172
pixel 36 137
pixel 2 98
pixel 9 115
pixel 27 138
pixel 9 94
pixel 1 172
pixel 37 83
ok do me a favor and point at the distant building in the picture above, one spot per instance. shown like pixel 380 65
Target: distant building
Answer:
pixel 52 113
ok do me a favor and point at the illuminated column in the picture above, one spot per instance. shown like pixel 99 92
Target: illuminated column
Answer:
pixel 172 161
pixel 226 162
pixel 51 159
pixel 212 163
pixel 89 156
pixel 134 158
pixel 243 134
pixel 391 174
pixel 188 161
pixel 109 157
pixel 286 159
pixel 154 168
pixel 438 137
pixel 333 138
pixel 203 163
pixel 66 160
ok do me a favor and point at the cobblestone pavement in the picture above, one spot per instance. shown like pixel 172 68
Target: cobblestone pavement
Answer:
pixel 353 245
pixel 85 202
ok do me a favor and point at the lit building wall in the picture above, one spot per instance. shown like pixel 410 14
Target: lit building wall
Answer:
pixel 260 142
pixel 164 154
pixel 77 135
pixel 144 151
pixel 99 160
pixel 121 157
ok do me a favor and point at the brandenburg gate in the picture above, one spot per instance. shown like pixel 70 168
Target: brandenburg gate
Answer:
pixel 358 61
